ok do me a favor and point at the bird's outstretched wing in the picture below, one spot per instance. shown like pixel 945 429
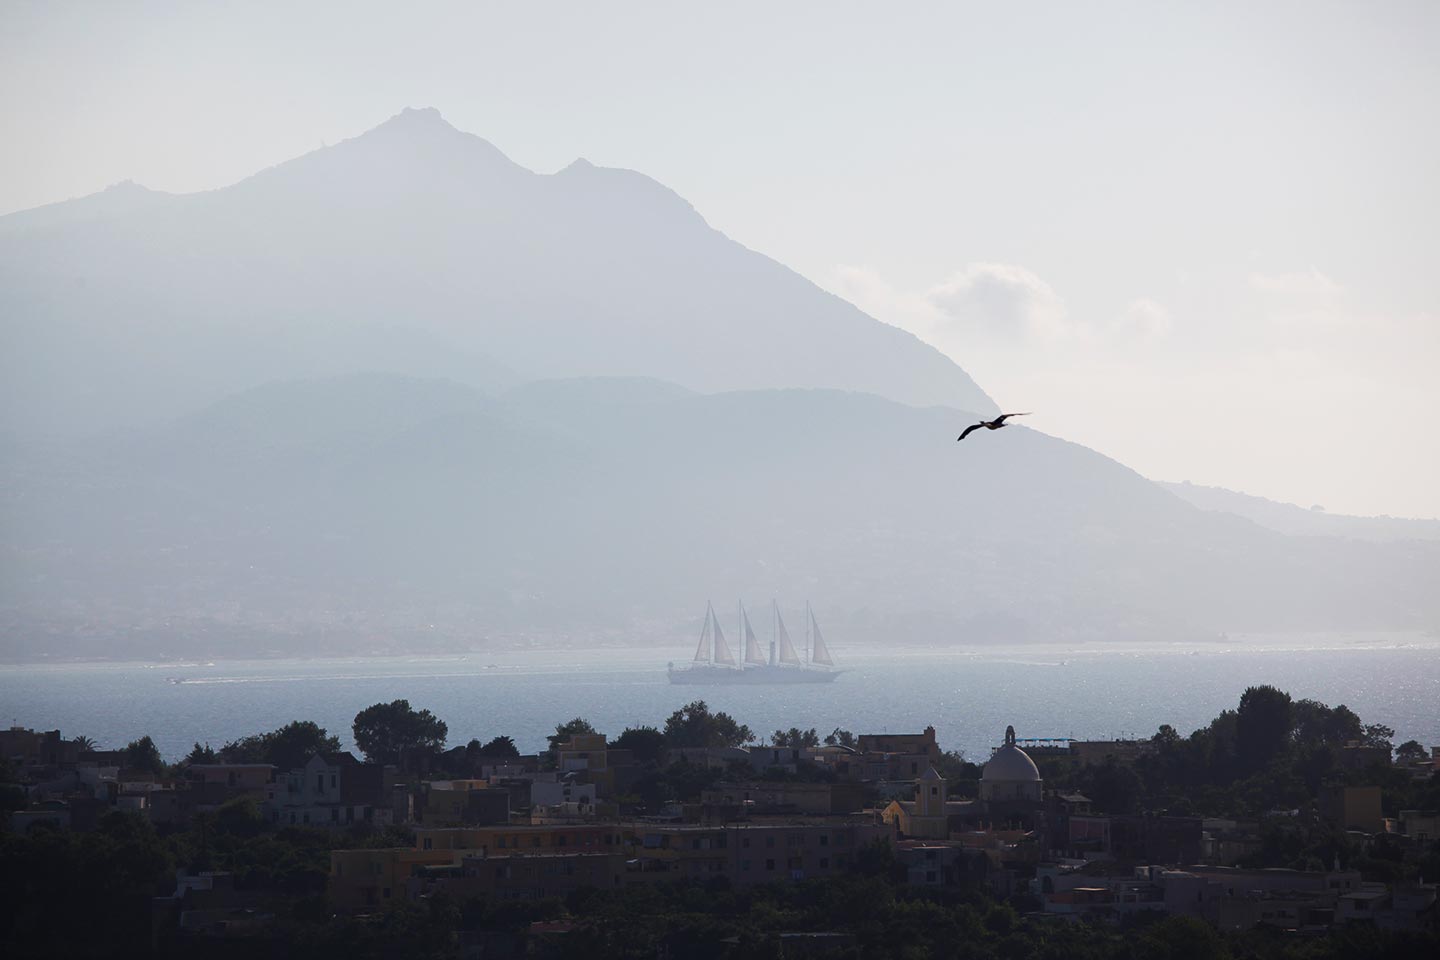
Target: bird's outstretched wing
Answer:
pixel 1001 419
pixel 969 430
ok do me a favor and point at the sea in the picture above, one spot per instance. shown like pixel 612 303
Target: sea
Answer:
pixel 970 695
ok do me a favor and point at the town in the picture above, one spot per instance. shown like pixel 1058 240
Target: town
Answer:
pixel 1283 825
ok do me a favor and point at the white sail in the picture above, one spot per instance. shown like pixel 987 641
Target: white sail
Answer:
pixel 787 649
pixel 702 649
pixel 722 649
pixel 819 653
pixel 753 653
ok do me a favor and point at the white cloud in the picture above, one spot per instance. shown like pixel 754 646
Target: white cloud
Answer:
pixel 1144 319
pixel 1001 300
pixel 866 289
pixel 1305 296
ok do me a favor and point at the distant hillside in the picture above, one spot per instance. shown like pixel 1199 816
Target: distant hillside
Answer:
pixel 1297 521
pixel 415 249
pixel 379 512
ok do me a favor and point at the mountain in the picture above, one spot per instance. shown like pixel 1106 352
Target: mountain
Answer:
pixel 403 394
pixel 381 512
pixel 1297 521
pixel 421 250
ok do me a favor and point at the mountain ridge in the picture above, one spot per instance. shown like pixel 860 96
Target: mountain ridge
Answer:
pixel 417 248
pixel 605 506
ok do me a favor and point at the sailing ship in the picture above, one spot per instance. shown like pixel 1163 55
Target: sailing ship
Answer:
pixel 715 663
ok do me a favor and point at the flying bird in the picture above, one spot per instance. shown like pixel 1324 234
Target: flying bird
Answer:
pixel 995 424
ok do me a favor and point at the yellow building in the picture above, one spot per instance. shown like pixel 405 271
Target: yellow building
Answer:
pixel 921 744
pixel 504 840
pixel 361 879
pixel 932 815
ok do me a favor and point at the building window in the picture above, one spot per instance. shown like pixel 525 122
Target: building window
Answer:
pixel 824 840
pixel 769 864
pixel 824 863
pixel 320 783
pixel 385 893
pixel 745 842
pixel 769 841
pixel 744 865
pixel 332 781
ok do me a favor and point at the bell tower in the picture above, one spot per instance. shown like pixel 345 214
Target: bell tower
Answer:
pixel 930 794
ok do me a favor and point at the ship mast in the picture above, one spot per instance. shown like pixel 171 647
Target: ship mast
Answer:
pixel 774 629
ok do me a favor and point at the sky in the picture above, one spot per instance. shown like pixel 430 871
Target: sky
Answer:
pixel 1200 239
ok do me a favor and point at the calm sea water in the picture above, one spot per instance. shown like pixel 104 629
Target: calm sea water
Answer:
pixel 969 696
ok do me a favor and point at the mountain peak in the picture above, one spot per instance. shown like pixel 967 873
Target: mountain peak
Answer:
pixel 417 118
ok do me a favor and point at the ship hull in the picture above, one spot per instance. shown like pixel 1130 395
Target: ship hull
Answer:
pixel 724 676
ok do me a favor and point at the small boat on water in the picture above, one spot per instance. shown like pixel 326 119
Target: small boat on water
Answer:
pixel 714 663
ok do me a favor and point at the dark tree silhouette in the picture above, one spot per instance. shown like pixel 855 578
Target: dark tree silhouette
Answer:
pixel 289 747
pixel 1262 726
pixel 564 731
pixel 501 746
pixel 693 725
pixel 142 754
pixel 645 743
pixel 795 737
pixel 384 730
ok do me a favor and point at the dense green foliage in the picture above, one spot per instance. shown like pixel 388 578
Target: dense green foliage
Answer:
pixel 501 746
pixel 644 743
pixel 142 754
pixel 386 730
pixel 795 737
pixel 693 725
pixel 289 747
pixel 1271 753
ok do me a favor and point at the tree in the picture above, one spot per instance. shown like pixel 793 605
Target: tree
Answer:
pixel 644 743
pixel 1262 726
pixel 289 747
pixel 84 744
pixel 840 738
pixel 295 743
pixel 1316 724
pixel 501 746
pixel 384 730
pixel 953 767
pixel 199 754
pixel 1411 751
pixel 1377 735
pixel 1166 740
pixel 142 754
pixel 795 737
pixel 564 731
pixel 1114 787
pixel 693 725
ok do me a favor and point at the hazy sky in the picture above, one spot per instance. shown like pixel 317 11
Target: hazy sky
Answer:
pixel 1199 238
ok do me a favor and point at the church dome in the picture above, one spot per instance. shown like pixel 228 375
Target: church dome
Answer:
pixel 1010 764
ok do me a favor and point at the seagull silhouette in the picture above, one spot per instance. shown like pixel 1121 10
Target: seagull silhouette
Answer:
pixel 995 424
